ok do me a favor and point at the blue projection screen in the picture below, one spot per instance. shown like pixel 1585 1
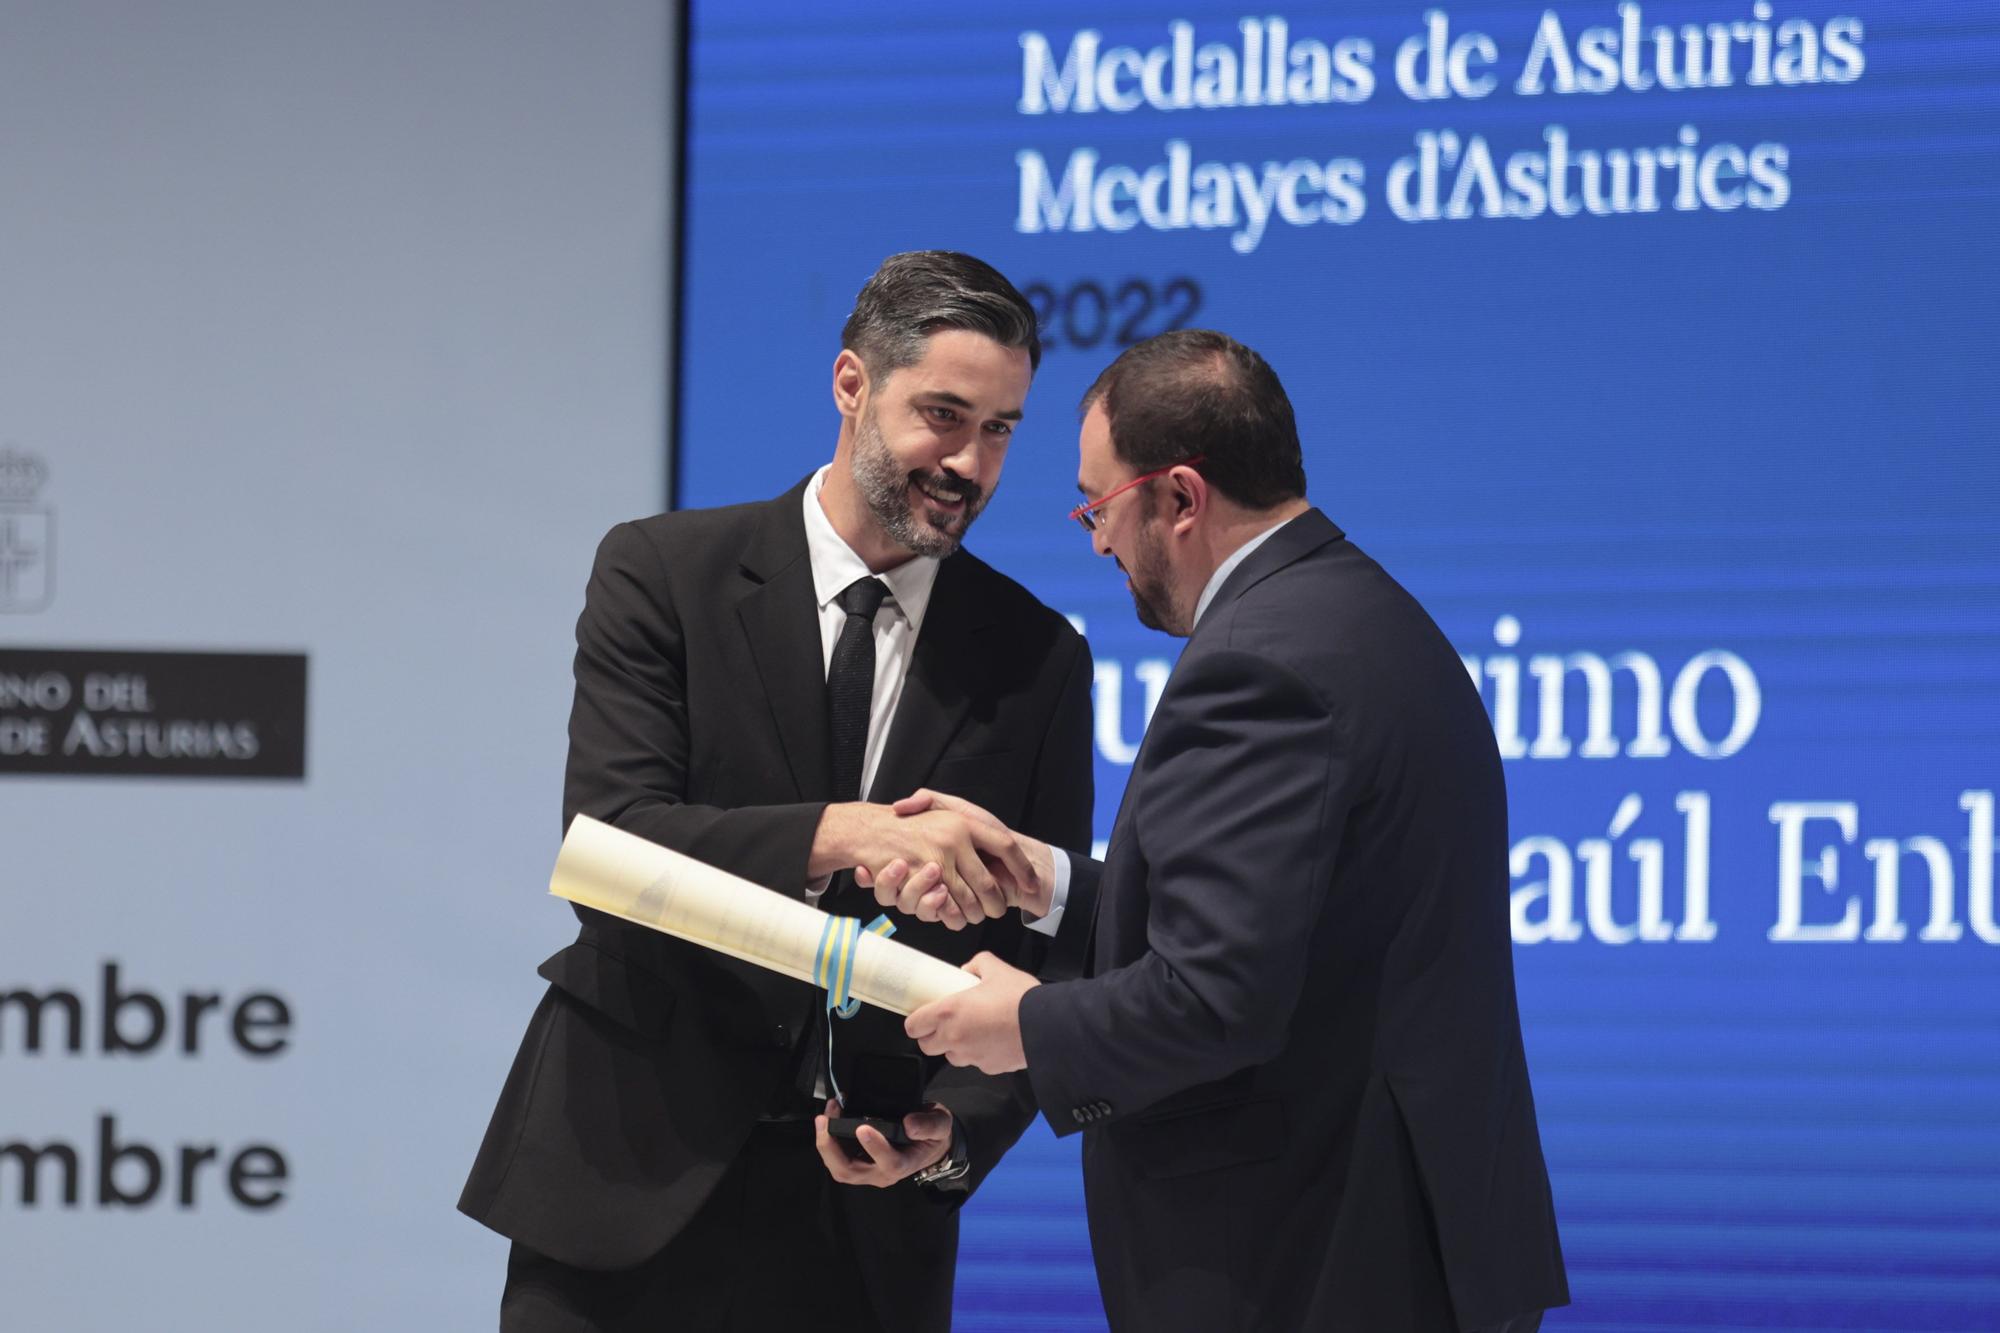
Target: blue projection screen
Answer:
pixel 1653 348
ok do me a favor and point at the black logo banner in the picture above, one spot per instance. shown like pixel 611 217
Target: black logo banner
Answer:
pixel 110 713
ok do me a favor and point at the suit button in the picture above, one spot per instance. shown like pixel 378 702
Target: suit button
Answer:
pixel 1076 1114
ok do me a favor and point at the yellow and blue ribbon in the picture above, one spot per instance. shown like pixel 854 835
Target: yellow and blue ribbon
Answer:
pixel 833 965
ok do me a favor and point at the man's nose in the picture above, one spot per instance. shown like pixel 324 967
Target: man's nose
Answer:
pixel 963 460
pixel 1100 541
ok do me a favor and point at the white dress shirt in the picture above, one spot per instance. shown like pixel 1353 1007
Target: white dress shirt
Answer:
pixel 897 623
pixel 835 566
pixel 1059 890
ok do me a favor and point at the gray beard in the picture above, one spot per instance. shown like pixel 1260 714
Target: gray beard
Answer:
pixel 884 488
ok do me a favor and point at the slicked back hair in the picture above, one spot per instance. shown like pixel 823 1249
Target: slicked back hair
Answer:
pixel 920 292
pixel 1198 392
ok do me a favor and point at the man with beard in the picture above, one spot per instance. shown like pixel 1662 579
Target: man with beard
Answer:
pixel 745 678
pixel 1288 1030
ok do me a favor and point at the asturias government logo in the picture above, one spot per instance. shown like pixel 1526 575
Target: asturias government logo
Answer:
pixel 27 534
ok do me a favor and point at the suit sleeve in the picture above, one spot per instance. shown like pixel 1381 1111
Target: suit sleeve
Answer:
pixel 628 729
pixel 1237 827
pixel 993 1112
pixel 1068 955
pixel 1059 807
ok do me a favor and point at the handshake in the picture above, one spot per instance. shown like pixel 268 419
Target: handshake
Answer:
pixel 937 858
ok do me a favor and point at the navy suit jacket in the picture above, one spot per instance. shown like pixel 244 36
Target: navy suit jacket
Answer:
pixel 1294 1048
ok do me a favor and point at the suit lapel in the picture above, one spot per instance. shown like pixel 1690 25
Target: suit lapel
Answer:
pixel 1296 540
pixel 780 618
pixel 946 670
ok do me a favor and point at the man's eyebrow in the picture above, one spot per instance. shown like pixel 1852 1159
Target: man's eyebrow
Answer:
pixel 949 399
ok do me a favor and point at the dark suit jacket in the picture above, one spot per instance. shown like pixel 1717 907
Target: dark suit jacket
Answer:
pixel 700 723
pixel 1296 1053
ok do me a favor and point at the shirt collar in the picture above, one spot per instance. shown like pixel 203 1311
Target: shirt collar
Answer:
pixel 1228 567
pixel 835 565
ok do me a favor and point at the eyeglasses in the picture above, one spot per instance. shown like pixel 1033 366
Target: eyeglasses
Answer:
pixel 1086 513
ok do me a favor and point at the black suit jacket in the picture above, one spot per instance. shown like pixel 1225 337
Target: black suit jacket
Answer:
pixel 700 722
pixel 1296 1051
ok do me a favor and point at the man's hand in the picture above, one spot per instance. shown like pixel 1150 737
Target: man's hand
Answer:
pixel 885 1164
pixel 979 1027
pixel 1025 879
pixel 966 853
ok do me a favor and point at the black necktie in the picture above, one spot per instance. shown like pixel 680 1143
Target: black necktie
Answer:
pixel 850 685
pixel 850 688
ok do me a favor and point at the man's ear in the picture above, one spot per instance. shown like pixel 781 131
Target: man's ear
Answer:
pixel 1190 497
pixel 850 383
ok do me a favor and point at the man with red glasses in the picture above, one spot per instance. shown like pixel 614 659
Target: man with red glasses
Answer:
pixel 1289 1033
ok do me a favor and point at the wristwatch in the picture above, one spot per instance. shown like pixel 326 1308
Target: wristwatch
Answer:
pixel 954 1165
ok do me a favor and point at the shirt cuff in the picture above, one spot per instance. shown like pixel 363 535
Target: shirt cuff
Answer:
pixel 1058 895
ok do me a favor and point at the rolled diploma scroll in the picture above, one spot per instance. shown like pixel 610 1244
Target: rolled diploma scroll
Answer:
pixel 647 884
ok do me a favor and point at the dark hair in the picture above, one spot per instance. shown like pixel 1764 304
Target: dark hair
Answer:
pixel 1198 392
pixel 917 293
